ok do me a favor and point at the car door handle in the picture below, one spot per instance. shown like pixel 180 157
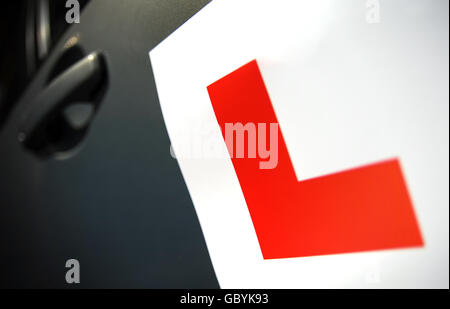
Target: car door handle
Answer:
pixel 47 129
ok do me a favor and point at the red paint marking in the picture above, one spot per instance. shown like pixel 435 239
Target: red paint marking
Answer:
pixel 366 208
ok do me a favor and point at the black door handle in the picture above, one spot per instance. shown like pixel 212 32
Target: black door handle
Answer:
pixel 48 129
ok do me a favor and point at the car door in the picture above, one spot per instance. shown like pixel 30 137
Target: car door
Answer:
pixel 108 195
